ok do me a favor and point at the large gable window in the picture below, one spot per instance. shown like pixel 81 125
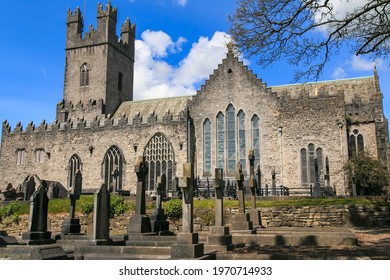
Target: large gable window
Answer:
pixel 159 158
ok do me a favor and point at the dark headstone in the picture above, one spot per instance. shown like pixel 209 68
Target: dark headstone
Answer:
pixel 37 226
pixel 29 187
pixel 254 213
pixel 52 252
pixel 101 217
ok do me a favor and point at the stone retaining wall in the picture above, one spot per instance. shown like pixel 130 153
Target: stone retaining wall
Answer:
pixel 306 216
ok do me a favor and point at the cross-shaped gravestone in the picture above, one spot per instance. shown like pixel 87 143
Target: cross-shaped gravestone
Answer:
pixel 219 185
pixel 72 225
pixel 273 182
pixel 219 237
pixel 317 184
pixel 75 192
pixel 115 175
pixel 101 216
pixel 241 221
pixel 139 221
pixel 258 173
pixel 188 202
pixel 252 182
pixel 240 183
pixel 158 219
pixel 187 245
pixel 142 171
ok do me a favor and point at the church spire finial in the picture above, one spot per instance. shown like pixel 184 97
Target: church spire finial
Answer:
pixel 230 47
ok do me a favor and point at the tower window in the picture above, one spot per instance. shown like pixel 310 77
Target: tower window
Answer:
pixel 20 156
pixel 39 155
pixel 84 75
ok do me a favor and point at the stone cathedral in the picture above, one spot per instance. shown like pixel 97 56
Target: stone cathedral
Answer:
pixel 299 133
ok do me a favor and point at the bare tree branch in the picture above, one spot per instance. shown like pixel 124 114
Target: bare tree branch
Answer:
pixel 308 32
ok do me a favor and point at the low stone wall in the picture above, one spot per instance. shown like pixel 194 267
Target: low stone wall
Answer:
pixel 329 216
pixel 306 216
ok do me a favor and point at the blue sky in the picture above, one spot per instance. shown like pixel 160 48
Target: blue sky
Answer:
pixel 179 43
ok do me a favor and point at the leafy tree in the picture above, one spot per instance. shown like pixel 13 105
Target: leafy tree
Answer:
pixel 370 176
pixel 308 32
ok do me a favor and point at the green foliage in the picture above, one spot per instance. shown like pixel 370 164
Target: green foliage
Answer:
pixel 10 211
pixel 205 216
pixel 86 205
pixel 370 176
pixel 118 206
pixel 173 209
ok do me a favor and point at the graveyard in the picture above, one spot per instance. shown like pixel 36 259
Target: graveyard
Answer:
pixel 246 232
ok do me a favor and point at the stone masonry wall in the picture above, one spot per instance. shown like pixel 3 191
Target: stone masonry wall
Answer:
pixel 90 144
pixel 306 216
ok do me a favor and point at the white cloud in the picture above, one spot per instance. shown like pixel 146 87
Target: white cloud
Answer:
pixel 339 73
pixel 360 64
pixel 156 78
pixel 182 2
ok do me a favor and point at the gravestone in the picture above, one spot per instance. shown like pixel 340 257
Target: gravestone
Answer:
pixel 317 184
pixel 9 193
pixel 101 217
pixel 188 246
pixel 37 224
pixel 254 213
pixel 51 252
pixel 6 240
pixel 54 190
pixel 158 218
pixel 241 222
pixel 139 222
pixel 29 187
pixel 115 176
pixel 273 186
pixel 219 238
pixel 258 174
pixel 71 225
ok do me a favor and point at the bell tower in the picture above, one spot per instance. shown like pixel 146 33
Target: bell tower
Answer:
pixel 99 66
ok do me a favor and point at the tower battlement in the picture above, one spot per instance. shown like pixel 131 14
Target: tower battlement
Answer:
pixel 105 33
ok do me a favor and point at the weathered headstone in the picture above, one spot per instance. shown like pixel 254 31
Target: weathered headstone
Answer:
pixel 273 185
pixel 139 222
pixel 254 213
pixel 9 193
pixel 6 240
pixel 37 224
pixel 317 184
pixel 241 222
pixel 240 184
pixel 115 176
pixel 258 174
pixel 29 187
pixel 101 217
pixel 219 237
pixel 71 226
pixel 51 252
pixel 188 246
pixel 158 218
pixel 54 190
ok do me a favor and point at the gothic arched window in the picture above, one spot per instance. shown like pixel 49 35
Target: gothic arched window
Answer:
pixel 84 75
pixel 308 158
pixel 73 166
pixel 241 139
pixel 356 144
pixel 220 141
pixel 113 163
pixel 159 157
pixel 231 138
pixel 207 147
pixel 256 138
